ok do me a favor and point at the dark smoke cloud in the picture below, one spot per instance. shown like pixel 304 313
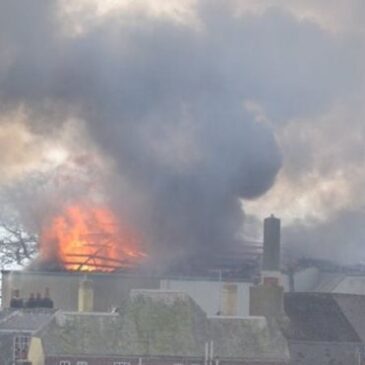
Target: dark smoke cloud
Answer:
pixel 165 101
pixel 162 100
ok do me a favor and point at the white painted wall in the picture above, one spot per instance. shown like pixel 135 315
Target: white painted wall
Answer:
pixel 351 285
pixel 208 294
pixel 304 280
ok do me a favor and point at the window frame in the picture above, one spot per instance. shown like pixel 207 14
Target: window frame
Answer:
pixel 23 340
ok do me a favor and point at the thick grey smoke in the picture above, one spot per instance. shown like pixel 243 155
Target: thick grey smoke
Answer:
pixel 164 100
pixel 340 238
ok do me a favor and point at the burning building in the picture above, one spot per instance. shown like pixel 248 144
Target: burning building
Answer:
pixel 82 242
pixel 88 238
pixel 90 262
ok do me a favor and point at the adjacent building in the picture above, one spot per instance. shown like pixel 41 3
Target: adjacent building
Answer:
pixel 319 330
pixel 16 329
pixel 158 327
pixel 212 294
pixel 125 319
pixel 64 286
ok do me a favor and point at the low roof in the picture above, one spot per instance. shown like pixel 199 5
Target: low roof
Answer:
pixel 24 320
pixel 73 333
pixel 247 338
pixel 353 307
pixel 162 323
pixel 149 323
pixel 317 317
pixel 19 322
pixel 4 313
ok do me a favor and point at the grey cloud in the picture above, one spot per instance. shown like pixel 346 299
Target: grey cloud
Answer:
pixel 339 238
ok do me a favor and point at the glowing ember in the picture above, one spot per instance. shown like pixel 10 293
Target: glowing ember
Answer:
pixel 88 238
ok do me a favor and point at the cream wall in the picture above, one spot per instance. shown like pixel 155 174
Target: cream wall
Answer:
pixel 36 354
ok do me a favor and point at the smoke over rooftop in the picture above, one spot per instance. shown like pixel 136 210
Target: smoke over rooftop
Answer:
pixel 177 109
pixel 160 100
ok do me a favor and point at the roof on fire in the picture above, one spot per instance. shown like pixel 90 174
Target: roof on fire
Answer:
pixel 162 323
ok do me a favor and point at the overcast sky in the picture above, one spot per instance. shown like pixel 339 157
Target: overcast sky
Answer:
pixel 204 100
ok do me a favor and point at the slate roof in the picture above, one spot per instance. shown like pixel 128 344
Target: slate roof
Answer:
pixel 328 282
pixel 317 317
pixel 162 323
pixel 150 324
pixel 4 313
pixel 20 321
pixel 24 320
pixel 353 307
pixel 253 338
pixel 75 333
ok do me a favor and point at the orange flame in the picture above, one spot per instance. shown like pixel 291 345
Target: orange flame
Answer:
pixel 89 238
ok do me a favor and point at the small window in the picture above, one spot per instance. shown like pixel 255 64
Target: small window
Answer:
pixel 81 363
pixel 20 347
pixel 65 362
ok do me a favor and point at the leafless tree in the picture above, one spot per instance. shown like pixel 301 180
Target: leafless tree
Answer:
pixel 18 230
pixel 27 203
pixel 17 246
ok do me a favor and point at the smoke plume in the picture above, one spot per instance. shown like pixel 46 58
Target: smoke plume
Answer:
pixel 158 98
pixel 181 107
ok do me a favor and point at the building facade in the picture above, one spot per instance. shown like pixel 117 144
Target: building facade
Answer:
pixel 16 330
pixel 157 327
